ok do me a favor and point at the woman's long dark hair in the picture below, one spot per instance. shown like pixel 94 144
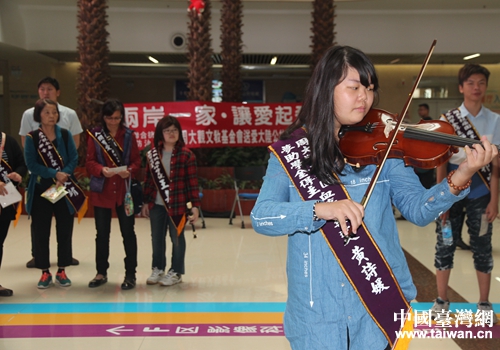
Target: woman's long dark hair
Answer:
pixel 317 112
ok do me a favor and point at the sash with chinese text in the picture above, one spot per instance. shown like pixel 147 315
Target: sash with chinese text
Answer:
pixel 464 128
pixel 162 183
pixel 52 159
pixel 108 144
pixel 358 255
pixel 6 169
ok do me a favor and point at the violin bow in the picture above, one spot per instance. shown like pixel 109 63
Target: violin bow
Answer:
pixel 378 170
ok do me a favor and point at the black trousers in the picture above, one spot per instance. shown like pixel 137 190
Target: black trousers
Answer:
pixel 4 228
pixel 41 214
pixel 102 218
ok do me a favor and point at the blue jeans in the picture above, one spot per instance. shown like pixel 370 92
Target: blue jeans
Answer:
pixel 103 226
pixel 160 222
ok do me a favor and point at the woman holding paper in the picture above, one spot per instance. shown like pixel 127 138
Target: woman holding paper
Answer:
pixel 51 157
pixel 112 157
pixel 12 169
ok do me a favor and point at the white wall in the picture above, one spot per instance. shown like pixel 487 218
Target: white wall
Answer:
pixel 11 24
pixel 45 27
pixel 464 31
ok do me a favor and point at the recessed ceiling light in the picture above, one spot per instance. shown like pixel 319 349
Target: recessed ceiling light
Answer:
pixel 472 56
pixel 152 59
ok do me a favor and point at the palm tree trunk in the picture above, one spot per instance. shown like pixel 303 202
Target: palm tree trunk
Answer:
pixel 200 55
pixel 231 45
pixel 93 55
pixel 323 26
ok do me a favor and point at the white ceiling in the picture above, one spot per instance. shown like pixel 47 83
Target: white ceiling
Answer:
pixel 420 7
pixel 341 4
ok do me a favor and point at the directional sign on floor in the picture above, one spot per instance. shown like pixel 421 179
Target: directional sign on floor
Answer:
pixel 141 330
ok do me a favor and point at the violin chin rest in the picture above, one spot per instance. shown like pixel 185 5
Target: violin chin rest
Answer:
pixel 357 165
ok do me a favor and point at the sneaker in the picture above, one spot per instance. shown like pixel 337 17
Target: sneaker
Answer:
pixel 62 279
pixel 439 308
pixel 156 275
pixel 486 306
pixel 171 278
pixel 45 280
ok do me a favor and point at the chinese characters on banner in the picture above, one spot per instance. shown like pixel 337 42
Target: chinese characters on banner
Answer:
pixel 208 124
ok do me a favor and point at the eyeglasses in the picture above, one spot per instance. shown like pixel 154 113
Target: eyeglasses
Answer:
pixel 113 118
pixel 170 131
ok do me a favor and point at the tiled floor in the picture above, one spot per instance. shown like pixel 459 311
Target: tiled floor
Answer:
pixel 235 279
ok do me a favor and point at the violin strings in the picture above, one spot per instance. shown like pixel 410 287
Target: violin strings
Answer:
pixel 415 133
pixel 433 136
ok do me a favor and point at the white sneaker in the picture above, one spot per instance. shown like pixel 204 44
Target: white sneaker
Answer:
pixel 486 306
pixel 156 275
pixel 171 278
pixel 440 308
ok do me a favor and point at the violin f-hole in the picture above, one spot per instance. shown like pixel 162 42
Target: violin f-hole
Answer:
pixel 381 144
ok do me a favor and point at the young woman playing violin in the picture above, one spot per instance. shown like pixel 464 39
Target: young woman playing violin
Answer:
pixel 347 276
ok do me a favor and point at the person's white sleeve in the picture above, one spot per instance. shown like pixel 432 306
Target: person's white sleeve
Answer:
pixel 75 125
pixel 26 123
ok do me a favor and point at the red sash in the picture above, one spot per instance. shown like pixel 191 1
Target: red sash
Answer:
pixel 162 183
pixel 358 255
pixel 52 159
pixel 464 128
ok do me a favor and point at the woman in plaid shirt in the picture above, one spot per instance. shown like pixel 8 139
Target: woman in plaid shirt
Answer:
pixel 170 183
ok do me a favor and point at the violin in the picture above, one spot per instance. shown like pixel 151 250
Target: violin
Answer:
pixel 427 145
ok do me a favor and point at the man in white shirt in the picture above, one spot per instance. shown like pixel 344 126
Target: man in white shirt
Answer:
pixel 68 119
pixel 480 208
pixel 49 88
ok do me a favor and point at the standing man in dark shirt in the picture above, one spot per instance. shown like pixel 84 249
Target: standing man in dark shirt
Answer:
pixel 423 111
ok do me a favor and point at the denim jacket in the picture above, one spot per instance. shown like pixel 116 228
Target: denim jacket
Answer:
pixel 322 307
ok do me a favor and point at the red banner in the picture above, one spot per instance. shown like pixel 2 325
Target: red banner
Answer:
pixel 208 124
